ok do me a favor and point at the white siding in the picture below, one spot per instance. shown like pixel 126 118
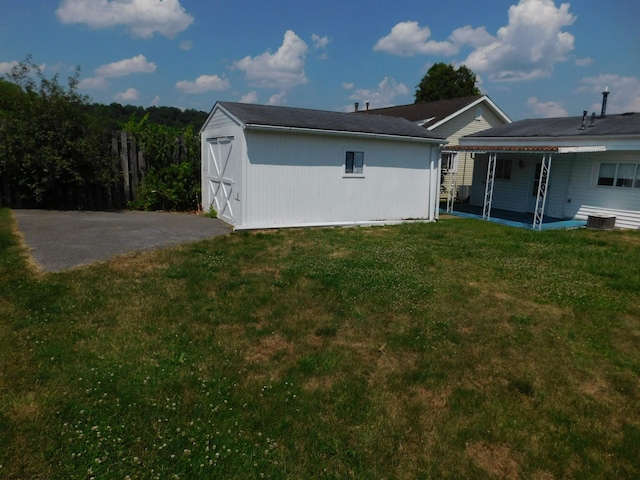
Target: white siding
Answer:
pixel 463 124
pixel 298 179
pixel 512 194
pixel 587 197
pixel 624 218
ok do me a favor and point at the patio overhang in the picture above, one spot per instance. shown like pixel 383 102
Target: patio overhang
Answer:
pixel 527 148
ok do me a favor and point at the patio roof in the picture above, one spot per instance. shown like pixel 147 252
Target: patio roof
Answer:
pixel 527 148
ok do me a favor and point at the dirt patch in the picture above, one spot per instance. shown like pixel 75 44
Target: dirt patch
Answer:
pixel 318 384
pixel 435 399
pixel 496 460
pixel 267 348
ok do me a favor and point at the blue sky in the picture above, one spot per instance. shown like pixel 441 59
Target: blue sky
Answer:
pixel 534 58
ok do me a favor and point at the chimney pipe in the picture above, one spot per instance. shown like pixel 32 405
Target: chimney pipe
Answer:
pixel 584 118
pixel 593 119
pixel 357 105
pixel 605 94
pixel 367 106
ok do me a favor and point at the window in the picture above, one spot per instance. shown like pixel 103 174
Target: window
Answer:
pixel 626 172
pixel 354 162
pixel 625 175
pixel 448 161
pixel 503 169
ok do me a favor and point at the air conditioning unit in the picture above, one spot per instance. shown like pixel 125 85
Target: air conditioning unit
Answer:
pixel 602 222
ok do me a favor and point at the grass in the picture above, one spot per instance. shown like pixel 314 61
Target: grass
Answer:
pixel 461 349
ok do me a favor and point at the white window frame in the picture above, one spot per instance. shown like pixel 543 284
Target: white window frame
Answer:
pixel 618 182
pixel 449 162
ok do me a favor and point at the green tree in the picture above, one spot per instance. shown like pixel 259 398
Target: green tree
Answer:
pixel 443 81
pixel 172 181
pixel 49 154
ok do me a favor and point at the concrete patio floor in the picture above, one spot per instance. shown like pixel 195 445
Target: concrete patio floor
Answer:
pixel 514 219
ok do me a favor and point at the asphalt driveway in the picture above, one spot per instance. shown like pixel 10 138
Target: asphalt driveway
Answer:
pixel 60 240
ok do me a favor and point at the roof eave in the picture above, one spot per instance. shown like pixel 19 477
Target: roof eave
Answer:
pixel 253 126
pixel 610 142
pixel 476 102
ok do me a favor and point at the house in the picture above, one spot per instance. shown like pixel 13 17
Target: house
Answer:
pixel 583 168
pixel 267 166
pixel 452 118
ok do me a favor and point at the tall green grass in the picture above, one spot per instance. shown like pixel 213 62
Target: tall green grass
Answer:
pixel 460 349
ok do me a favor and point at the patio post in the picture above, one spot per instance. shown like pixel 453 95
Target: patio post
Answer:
pixel 541 199
pixel 488 189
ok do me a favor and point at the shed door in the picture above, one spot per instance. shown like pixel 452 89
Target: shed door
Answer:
pixel 218 177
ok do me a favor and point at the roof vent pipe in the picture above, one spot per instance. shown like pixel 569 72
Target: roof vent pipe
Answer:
pixel 584 118
pixel 605 94
pixel 367 106
pixel 357 105
pixel 593 119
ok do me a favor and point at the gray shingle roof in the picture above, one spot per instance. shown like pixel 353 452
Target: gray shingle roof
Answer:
pixel 611 125
pixel 433 111
pixel 321 120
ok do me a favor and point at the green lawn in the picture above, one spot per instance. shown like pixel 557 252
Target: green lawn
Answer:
pixel 461 349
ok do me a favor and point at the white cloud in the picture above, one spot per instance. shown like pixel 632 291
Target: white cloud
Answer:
pixel 156 101
pixel 143 18
pixel 283 69
pixel 408 38
pixel 186 45
pixel 474 37
pixel 546 109
pixel 319 42
pixel 624 93
pixel 127 66
pixel 203 83
pixel 382 96
pixel 583 62
pixel 529 46
pixel 347 85
pixel 251 97
pixel 278 99
pixel 129 95
pixel 98 83
pixel 5 67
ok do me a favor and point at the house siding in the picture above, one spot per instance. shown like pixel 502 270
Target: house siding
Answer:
pixel 463 124
pixel 587 198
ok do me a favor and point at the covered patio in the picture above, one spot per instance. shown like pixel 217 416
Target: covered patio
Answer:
pixel 537 219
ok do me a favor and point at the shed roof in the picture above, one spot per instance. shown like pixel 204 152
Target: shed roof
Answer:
pixel 252 115
pixel 565 127
pixel 431 114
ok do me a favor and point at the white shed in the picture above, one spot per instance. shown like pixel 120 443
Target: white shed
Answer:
pixel 266 167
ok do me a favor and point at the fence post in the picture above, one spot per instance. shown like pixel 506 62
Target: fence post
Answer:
pixel 124 158
pixel 133 161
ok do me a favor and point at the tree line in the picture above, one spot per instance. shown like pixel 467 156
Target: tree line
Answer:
pixel 57 148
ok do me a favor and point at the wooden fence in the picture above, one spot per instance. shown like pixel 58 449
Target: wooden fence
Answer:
pixel 134 164
pixel 132 161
